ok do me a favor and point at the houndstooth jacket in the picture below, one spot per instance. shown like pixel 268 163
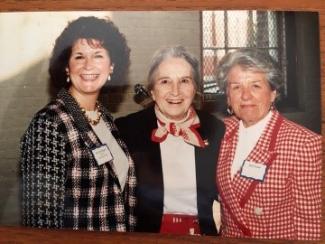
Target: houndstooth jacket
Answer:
pixel 62 185
pixel 287 203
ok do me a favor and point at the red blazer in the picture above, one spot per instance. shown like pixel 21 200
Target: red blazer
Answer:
pixel 287 203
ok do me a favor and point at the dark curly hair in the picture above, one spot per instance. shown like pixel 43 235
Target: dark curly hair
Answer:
pixel 103 30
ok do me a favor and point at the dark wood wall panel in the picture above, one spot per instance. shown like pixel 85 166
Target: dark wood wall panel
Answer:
pixel 39 5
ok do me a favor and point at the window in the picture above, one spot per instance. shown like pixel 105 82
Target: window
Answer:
pixel 224 31
pixel 292 38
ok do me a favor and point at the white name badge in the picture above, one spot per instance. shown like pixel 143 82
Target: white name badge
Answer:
pixel 253 170
pixel 102 154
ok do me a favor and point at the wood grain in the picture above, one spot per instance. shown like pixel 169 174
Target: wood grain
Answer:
pixel 41 5
pixel 17 235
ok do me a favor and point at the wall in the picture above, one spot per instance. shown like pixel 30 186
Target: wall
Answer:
pixel 305 73
pixel 148 32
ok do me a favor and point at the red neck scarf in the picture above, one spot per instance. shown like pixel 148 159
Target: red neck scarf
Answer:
pixel 185 128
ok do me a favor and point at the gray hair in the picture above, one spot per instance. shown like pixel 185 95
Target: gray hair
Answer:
pixel 252 59
pixel 174 52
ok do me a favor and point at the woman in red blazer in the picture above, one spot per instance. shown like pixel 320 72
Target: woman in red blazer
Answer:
pixel 269 168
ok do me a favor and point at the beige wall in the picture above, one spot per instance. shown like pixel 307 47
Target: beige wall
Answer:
pixel 26 42
pixel 146 32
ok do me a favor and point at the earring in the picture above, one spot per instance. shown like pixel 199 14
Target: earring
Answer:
pixel 109 78
pixel 230 111
pixel 272 107
pixel 68 79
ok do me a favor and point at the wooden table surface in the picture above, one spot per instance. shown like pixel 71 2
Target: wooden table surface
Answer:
pixel 17 235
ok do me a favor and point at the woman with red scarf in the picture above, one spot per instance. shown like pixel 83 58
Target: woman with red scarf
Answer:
pixel 175 149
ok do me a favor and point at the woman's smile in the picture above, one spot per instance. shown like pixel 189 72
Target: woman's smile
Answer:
pixel 89 77
pixel 175 101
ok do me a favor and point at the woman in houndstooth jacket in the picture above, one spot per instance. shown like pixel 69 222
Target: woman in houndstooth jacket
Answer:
pixel 76 171
pixel 269 168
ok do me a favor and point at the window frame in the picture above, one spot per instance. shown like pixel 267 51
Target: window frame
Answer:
pixel 214 102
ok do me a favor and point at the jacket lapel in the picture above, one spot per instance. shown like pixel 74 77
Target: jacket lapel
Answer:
pixel 203 159
pixel 154 148
pixel 225 183
pixel 149 166
pixel 236 189
pixel 260 155
pixel 200 155
pixel 80 121
pixel 83 129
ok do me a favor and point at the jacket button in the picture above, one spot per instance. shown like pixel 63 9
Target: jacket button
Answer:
pixel 258 211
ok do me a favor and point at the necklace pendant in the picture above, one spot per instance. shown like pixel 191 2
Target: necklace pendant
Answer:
pixel 90 120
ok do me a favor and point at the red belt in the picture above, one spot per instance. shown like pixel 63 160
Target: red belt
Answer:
pixel 180 224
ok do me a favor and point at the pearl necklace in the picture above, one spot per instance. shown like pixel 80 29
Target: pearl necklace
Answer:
pixel 90 120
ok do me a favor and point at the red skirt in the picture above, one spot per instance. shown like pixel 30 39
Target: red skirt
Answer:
pixel 180 224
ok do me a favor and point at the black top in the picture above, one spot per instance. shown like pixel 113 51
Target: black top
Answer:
pixel 136 131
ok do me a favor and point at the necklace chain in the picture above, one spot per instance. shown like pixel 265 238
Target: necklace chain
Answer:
pixel 90 120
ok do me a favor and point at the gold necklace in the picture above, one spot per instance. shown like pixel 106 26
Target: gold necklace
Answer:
pixel 90 120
